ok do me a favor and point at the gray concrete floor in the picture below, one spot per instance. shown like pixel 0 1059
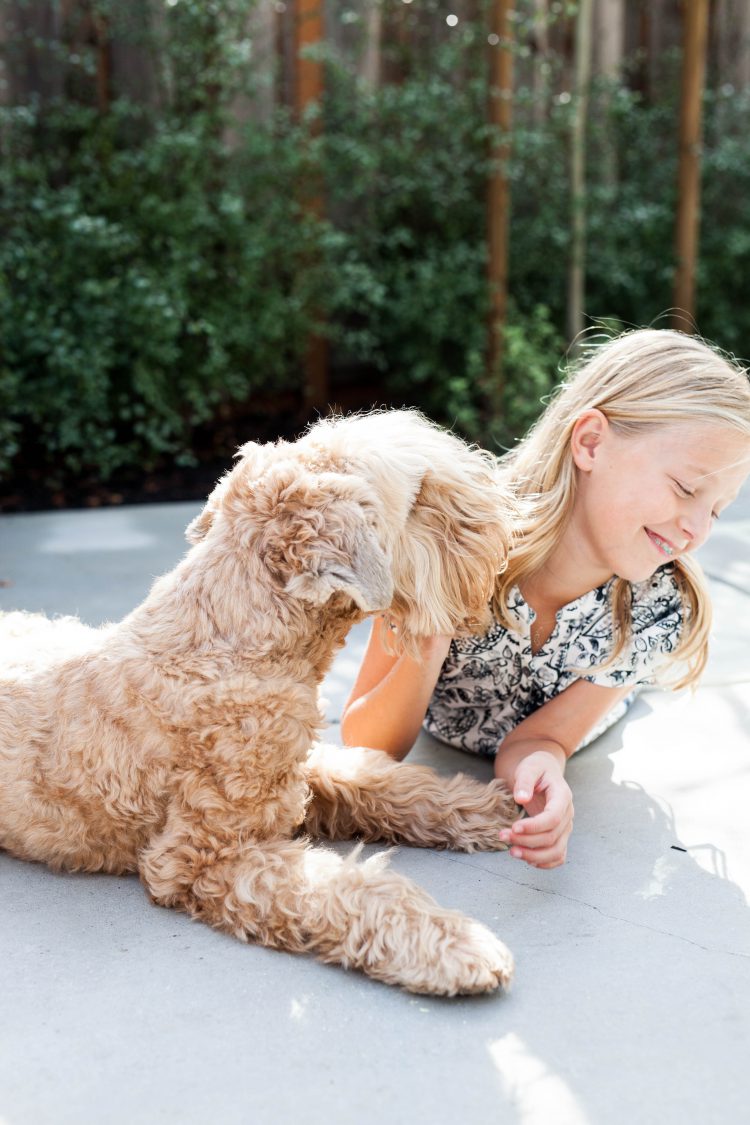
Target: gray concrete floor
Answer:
pixel 632 994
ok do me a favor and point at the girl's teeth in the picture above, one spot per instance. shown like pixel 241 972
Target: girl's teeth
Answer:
pixel 660 543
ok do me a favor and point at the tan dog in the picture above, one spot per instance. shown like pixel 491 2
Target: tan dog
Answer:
pixel 180 743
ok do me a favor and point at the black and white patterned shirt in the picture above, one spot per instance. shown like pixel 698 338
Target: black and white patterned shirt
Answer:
pixel 488 684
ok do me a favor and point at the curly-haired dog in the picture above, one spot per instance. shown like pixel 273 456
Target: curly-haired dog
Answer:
pixel 179 743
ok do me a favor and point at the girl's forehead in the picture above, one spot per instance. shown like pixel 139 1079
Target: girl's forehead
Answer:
pixel 711 450
pixel 702 450
pixel 695 437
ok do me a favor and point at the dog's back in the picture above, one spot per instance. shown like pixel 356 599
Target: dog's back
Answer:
pixel 71 790
pixel 29 642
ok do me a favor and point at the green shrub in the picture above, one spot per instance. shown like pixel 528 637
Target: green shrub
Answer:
pixel 155 283
pixel 155 275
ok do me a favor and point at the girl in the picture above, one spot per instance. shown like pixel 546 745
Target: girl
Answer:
pixel 619 482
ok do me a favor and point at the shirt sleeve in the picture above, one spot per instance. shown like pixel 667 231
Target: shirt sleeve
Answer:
pixel 658 616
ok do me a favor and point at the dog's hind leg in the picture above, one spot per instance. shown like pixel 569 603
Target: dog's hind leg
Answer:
pixel 363 793
pixel 288 895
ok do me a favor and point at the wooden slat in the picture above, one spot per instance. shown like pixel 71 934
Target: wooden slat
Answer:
pixel 695 24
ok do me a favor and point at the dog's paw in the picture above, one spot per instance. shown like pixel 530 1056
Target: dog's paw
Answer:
pixel 393 930
pixel 474 961
pixel 478 815
pixel 450 955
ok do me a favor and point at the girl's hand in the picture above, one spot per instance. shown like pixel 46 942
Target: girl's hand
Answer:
pixel 540 787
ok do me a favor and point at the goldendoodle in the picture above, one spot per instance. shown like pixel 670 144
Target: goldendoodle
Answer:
pixel 181 742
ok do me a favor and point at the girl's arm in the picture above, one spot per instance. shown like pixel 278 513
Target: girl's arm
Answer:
pixel 531 760
pixel 390 696
pixel 388 703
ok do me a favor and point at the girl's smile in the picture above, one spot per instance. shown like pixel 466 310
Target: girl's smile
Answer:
pixel 663 546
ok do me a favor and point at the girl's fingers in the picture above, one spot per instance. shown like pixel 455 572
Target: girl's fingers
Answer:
pixel 541 857
pixel 539 830
pixel 557 812
pixel 542 849
pixel 542 839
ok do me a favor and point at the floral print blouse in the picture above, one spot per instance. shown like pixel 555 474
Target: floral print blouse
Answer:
pixel 488 684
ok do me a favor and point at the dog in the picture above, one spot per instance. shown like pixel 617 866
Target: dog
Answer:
pixel 181 743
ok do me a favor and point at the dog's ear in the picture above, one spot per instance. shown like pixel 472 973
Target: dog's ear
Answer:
pixel 454 545
pixel 361 571
pixel 312 531
pixel 199 528
pixel 251 457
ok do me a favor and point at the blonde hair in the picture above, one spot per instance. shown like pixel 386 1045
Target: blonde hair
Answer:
pixel 639 380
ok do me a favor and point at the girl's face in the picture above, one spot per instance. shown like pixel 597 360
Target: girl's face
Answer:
pixel 642 500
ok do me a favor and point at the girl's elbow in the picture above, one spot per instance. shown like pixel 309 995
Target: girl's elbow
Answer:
pixel 348 729
pixel 355 730
pixel 355 733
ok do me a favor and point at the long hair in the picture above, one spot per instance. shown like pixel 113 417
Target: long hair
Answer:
pixel 639 380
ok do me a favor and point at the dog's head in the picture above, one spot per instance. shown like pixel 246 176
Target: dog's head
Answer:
pixel 442 515
pixel 385 508
pixel 311 529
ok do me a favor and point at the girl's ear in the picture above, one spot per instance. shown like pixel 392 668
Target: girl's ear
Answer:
pixel 586 438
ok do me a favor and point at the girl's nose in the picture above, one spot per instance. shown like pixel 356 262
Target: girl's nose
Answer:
pixel 695 526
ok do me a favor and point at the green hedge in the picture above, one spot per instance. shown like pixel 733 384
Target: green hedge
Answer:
pixel 143 285
pixel 153 275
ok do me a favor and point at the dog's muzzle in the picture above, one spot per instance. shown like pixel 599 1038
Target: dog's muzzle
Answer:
pixel 368 580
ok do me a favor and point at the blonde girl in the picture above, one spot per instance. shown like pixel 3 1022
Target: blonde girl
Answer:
pixel 620 480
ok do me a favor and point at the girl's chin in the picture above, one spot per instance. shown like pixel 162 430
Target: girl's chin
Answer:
pixel 642 574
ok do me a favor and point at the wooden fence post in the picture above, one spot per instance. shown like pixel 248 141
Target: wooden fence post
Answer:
pixel 695 35
pixel 577 268
pixel 498 194
pixel 308 71
pixel 308 89
pixel 103 61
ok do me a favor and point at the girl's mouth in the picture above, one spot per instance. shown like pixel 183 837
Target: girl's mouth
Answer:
pixel 662 545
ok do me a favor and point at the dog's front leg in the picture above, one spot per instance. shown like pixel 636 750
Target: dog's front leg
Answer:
pixel 288 895
pixel 363 793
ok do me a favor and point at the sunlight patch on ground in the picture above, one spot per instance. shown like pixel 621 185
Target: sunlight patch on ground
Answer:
pixel 78 534
pixel 537 1094
pixel 656 886
pixel 297 1011
pixel 674 756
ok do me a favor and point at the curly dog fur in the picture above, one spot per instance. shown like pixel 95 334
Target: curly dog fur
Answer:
pixel 181 742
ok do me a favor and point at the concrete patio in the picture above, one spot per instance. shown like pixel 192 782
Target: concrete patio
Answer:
pixel 632 993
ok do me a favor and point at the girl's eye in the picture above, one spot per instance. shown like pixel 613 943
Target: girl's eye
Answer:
pixel 686 492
